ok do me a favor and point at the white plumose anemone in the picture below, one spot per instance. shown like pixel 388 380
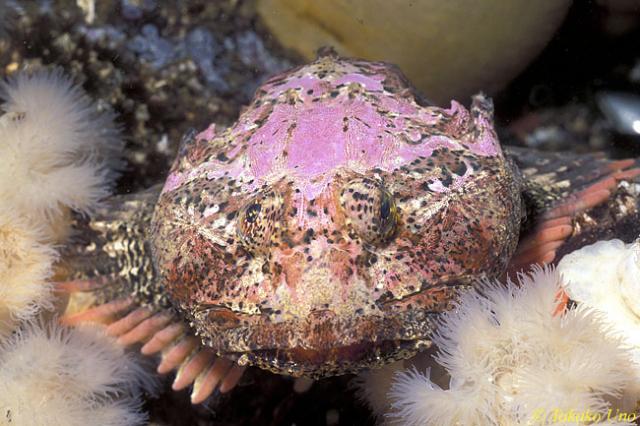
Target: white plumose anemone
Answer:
pixel 514 358
pixel 57 147
pixel 25 267
pixel 59 376
pixel 58 152
pixel 372 386
pixel 606 276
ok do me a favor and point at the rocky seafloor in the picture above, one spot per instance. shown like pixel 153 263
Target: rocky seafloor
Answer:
pixel 167 67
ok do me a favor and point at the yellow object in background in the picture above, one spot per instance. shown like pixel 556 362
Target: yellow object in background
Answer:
pixel 448 49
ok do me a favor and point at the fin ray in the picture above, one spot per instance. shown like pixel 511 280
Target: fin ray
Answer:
pixel 561 188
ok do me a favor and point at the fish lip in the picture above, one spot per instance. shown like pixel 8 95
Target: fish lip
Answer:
pixel 350 359
pixel 322 347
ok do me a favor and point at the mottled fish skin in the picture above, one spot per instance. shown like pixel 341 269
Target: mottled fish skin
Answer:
pixel 323 232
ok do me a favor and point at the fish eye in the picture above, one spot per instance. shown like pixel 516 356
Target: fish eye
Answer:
pixel 370 210
pixel 259 221
pixel 385 209
pixel 252 212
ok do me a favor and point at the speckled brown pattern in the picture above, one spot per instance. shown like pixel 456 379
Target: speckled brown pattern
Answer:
pixel 324 230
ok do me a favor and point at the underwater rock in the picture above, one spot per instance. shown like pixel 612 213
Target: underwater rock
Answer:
pixel 151 47
pixel 203 48
pixel 622 110
pixel 449 50
pixel 574 127
pixel 133 10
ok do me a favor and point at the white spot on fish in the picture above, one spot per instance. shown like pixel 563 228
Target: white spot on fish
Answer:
pixel 211 210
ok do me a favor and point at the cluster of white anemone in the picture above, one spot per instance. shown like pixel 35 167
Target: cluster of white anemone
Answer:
pixel 57 148
pixel 512 355
pixel 55 376
pixel 57 151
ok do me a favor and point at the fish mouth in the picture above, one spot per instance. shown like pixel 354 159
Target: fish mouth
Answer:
pixel 318 364
pixel 321 345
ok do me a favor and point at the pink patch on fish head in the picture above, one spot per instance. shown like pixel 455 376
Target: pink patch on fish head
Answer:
pixel 337 203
